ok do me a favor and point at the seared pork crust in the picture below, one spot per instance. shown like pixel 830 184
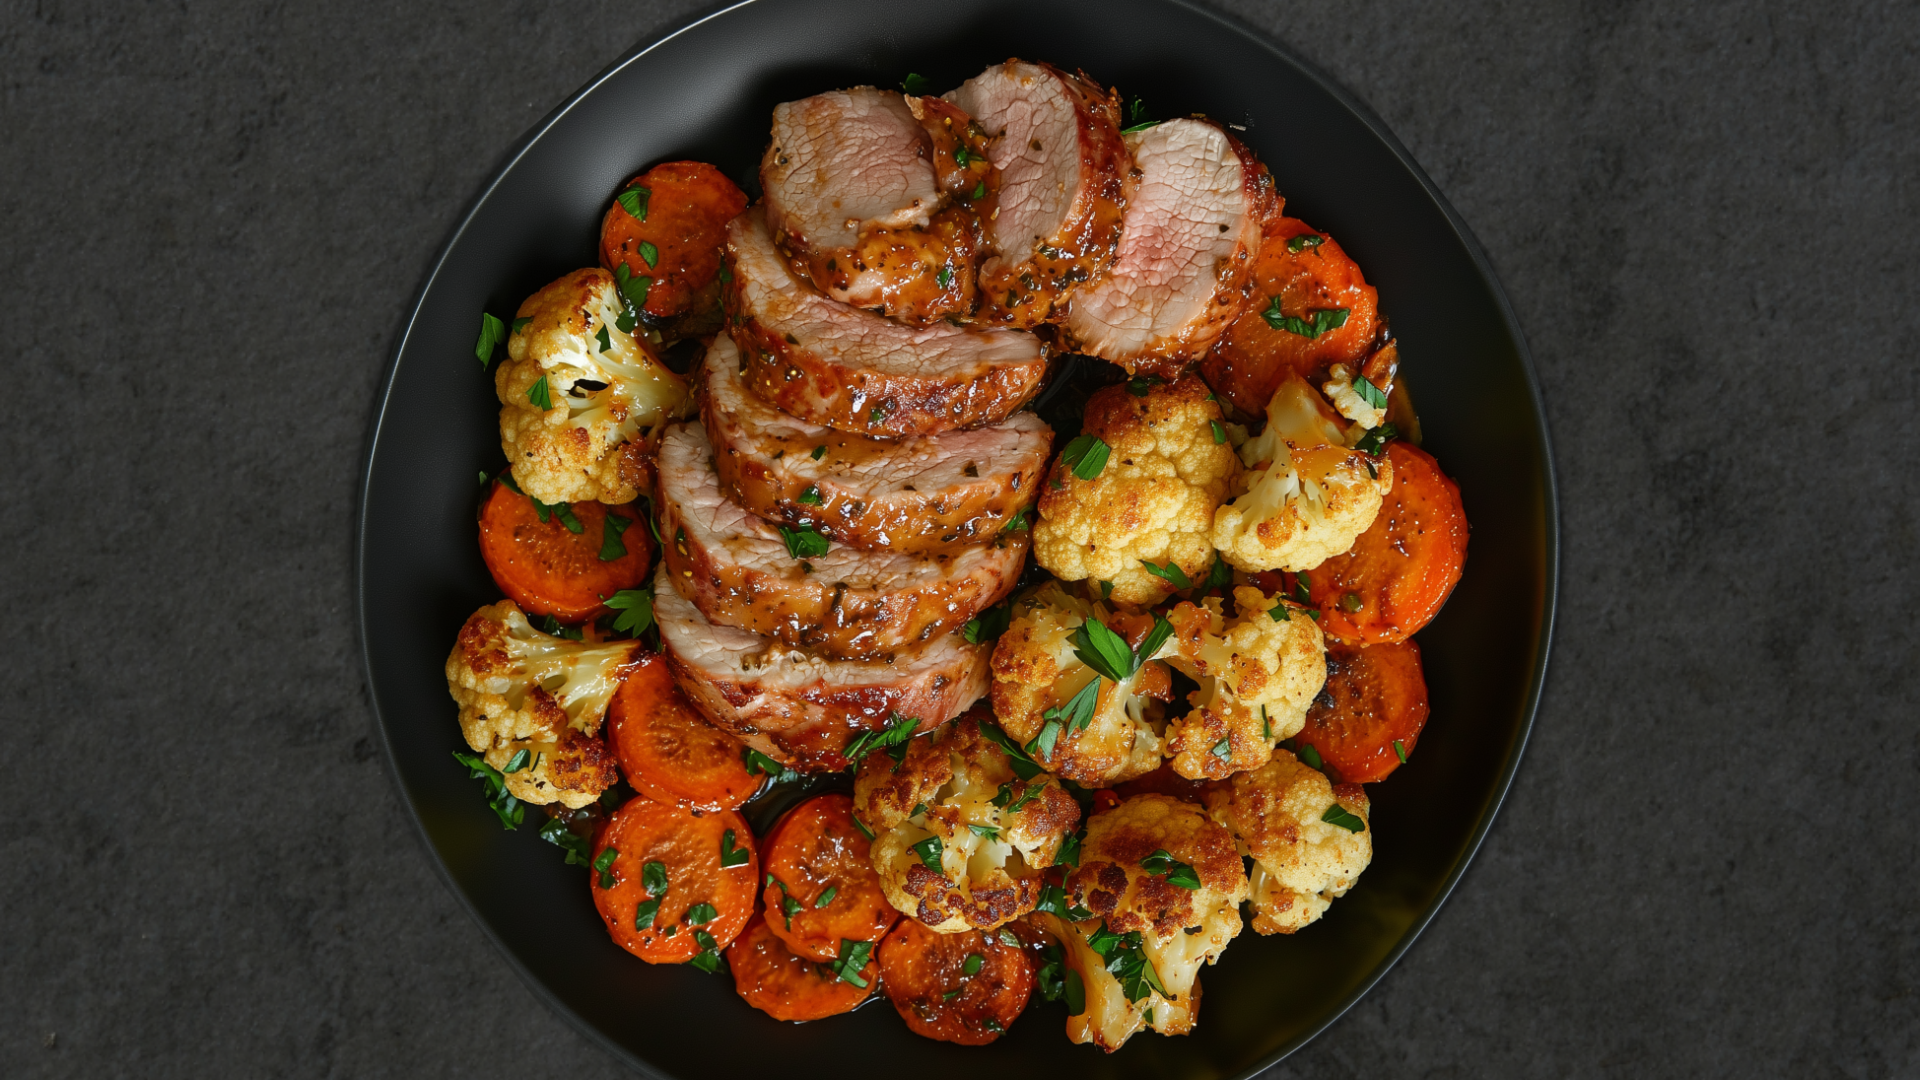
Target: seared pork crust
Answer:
pixel 802 710
pixel 834 365
pixel 922 494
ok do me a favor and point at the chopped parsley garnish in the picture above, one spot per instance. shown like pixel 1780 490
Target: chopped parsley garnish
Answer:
pixel 1106 590
pixel 1053 901
pixel 803 543
pixel 540 395
pixel 759 764
pixel 951 994
pixel 944 278
pixel 634 201
pixel 973 963
pixel 1017 523
pixel 929 851
pixel 1350 602
pixel 1170 573
pixel 603 865
pixel 1069 855
pixel 1223 749
pixel 1077 713
pixel 572 633
pixel 1346 819
pixel 1086 456
pixel 522 759
pixel 1137 118
pixel 1024 767
pixel 897 732
pixel 611 546
pixel 491 331
pixel 1400 750
pixel 578 848
pixel 1311 756
pixel 1127 960
pixel 709 959
pixel 985 832
pixel 1162 864
pixel 650 253
pixel 979 192
pixel 851 960
pixel 988 625
pixel 1266 725
pixel 961 156
pixel 701 914
pixel 1140 385
pixel 653 877
pixel 1375 439
pixel 1298 244
pixel 1368 392
pixel 1219 433
pixel 1103 650
pixel 1303 588
pixel 1279 611
pixel 506 806
pixel 564 512
pixel 522 323
pixel 826 898
pixel 633 296
pixel 731 856
pixel 1073 992
pixel 1219 575
pixel 819 452
pixel 862 826
pixel 1315 324
pixel 811 496
pixel 644 913
pixel 605 340
pixel 917 85
pixel 636 610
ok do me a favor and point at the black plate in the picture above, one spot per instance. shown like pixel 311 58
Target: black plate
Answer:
pixel 705 92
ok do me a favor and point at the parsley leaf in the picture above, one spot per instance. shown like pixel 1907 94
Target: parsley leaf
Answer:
pixel 988 832
pixel 1298 244
pixel 989 624
pixel 653 878
pixel 1086 455
pixel 811 496
pixel 1219 433
pixel 709 959
pixel 578 848
pixel 1315 324
pixel 1074 993
pixel 929 851
pixel 1170 573
pixel 826 897
pixel 1219 575
pixel 1137 118
pixel 1156 637
pixel 917 85
pixel 1278 612
pixel 1141 385
pixel 634 201
pixel 603 865
pixel 520 760
pixel 506 806
pixel 731 856
pixel 1017 523
pixel 644 913
pixel 1077 713
pixel 1346 819
pixel 973 963
pixel 1024 767
pixel 636 610
pixel 803 543
pixel 650 253
pixel 491 331
pixel 1375 439
pixel 759 764
pixel 564 511
pixel 1266 725
pixel 851 960
pixel 1311 756
pixel 572 633
pixel 611 546
pixel 898 731
pixel 701 914
pixel 1103 650
pixel 1368 392
pixel 1041 746
pixel 540 395
pixel 979 192
pixel 1162 864
pixel 522 323
pixel 945 277
pixel 1223 749
pixel 1053 901
pixel 605 340
pixel 819 452
pixel 1400 749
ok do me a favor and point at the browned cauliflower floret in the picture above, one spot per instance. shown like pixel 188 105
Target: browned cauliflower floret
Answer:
pixel 522 690
pixel 582 400
pixel 1036 672
pixel 1309 839
pixel 1307 496
pixel 1257 673
pixel 1163 884
pixel 959 839
pixel 1166 471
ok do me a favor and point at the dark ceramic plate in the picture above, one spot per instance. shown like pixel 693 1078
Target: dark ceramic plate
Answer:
pixel 705 92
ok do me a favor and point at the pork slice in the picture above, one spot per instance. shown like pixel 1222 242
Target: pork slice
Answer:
pixel 799 709
pixel 1194 215
pixel 853 195
pixel 924 493
pixel 844 603
pixel 837 366
pixel 1055 140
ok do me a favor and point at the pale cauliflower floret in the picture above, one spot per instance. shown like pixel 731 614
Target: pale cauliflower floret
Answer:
pixel 1164 884
pixel 519 689
pixel 1308 496
pixel 607 405
pixel 1153 501
pixel 1257 676
pixel 1036 670
pixel 1346 398
pixel 1303 862
pixel 993 833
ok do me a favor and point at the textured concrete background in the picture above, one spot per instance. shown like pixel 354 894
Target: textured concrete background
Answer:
pixel 215 215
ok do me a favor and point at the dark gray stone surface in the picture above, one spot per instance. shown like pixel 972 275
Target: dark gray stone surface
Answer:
pixel 212 219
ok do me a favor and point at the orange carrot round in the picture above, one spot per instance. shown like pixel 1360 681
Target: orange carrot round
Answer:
pixel 687 206
pixel 820 885
pixel 1401 570
pixel 673 885
pixel 668 751
pixel 1307 273
pixel 789 987
pixel 1371 712
pixel 964 988
pixel 547 568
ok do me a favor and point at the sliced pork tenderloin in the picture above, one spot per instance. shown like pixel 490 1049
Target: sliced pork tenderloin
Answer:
pixel 1056 220
pixel 853 195
pixel 1195 209
pixel 843 602
pixel 924 493
pixel 832 364
pixel 802 710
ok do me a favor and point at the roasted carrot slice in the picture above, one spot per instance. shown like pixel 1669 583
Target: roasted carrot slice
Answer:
pixel 547 568
pixel 668 751
pixel 1310 278
pixel 675 239
pixel 1401 570
pixel 820 885
pixel 1366 720
pixel 672 884
pixel 964 988
pixel 789 987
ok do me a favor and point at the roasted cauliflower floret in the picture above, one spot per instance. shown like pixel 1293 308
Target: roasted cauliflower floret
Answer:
pixel 521 690
pixel 959 839
pixel 1307 496
pixel 1037 672
pixel 582 401
pixel 1348 399
pixel 1309 839
pixel 1258 673
pixel 1164 885
pixel 1167 469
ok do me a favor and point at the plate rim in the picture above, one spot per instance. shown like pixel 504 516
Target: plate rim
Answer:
pixel 1550 490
